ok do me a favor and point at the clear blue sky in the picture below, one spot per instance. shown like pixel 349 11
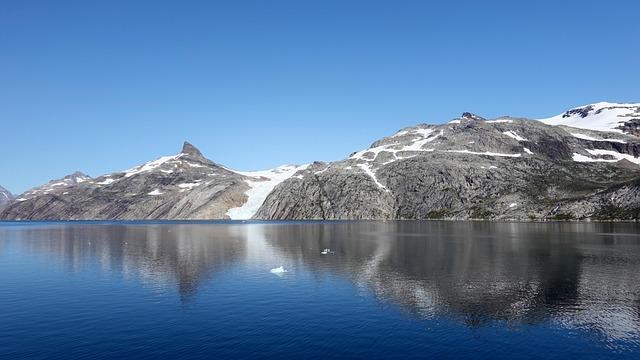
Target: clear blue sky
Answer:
pixel 100 86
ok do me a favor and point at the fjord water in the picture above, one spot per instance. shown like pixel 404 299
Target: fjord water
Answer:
pixel 387 290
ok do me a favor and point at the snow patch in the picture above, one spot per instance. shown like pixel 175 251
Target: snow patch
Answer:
pixel 155 192
pixel 499 121
pixel 528 151
pixel 587 137
pixel 106 181
pixel 260 186
pixel 599 152
pixel 513 135
pixel 423 136
pixel 367 169
pixel 189 186
pixel 483 153
pixel 150 165
pixel 194 165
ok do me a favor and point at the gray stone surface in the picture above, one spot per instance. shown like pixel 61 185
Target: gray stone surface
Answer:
pixel 470 169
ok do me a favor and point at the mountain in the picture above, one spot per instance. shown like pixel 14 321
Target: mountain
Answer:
pixel 472 168
pixel 5 196
pixel 603 116
pixel 583 164
pixel 182 186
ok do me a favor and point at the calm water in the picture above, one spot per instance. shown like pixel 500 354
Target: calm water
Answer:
pixel 390 289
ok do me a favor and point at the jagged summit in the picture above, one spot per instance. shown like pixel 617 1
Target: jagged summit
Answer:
pixel 189 149
pixel 77 177
pixel 471 116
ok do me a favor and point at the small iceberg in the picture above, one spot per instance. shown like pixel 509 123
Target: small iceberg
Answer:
pixel 278 270
pixel 326 252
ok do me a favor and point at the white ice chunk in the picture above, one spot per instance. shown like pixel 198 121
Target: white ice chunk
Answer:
pixel 279 270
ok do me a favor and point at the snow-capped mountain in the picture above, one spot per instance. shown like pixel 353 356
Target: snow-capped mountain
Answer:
pixel 602 116
pixel 5 196
pixel 181 186
pixel 505 168
pixel 579 165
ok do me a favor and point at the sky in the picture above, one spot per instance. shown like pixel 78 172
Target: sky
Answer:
pixel 102 86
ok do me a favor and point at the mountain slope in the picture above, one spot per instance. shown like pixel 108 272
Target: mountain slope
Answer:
pixel 5 196
pixel 182 186
pixel 505 168
pixel 603 116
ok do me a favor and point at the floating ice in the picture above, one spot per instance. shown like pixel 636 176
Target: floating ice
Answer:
pixel 278 270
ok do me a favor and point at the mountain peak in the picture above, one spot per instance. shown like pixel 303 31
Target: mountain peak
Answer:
pixel 76 177
pixel 189 149
pixel 471 116
pixel 5 195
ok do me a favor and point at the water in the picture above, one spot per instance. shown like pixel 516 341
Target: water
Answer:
pixel 388 290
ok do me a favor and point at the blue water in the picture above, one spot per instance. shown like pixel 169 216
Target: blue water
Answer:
pixel 390 290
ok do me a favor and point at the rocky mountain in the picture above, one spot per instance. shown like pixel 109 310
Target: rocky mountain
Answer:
pixel 472 168
pixel 582 164
pixel 5 196
pixel 182 186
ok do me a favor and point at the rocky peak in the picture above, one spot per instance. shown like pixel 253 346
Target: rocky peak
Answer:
pixel 77 177
pixel 189 149
pixel 471 116
pixel 5 195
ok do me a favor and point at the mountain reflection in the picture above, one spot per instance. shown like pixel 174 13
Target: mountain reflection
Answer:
pixel 158 254
pixel 582 276
pixel 579 275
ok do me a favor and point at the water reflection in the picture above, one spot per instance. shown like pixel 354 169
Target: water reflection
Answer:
pixel 159 254
pixel 580 276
